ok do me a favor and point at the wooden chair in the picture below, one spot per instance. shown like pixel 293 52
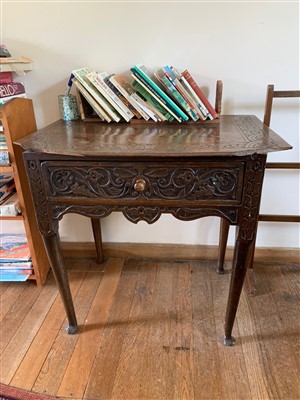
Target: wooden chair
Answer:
pixel 224 227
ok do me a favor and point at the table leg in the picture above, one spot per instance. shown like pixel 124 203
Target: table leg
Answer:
pixel 53 247
pixel 242 256
pixel 96 225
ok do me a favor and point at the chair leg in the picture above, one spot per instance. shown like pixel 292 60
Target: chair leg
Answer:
pixel 224 229
pixel 96 225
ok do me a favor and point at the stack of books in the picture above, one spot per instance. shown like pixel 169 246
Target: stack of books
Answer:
pixel 15 261
pixel 164 95
pixel 7 191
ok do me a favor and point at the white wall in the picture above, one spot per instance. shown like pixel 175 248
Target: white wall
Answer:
pixel 246 44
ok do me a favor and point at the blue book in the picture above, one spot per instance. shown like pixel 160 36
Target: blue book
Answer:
pixel 140 71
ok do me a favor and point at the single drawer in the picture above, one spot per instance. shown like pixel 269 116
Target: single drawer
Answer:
pixel 142 182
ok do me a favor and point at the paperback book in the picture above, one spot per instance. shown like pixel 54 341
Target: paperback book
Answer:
pixel 14 247
pixel 81 75
pixel 144 75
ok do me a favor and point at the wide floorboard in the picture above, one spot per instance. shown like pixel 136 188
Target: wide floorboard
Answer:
pixel 153 329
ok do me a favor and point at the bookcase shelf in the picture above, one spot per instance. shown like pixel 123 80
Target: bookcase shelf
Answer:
pixel 18 121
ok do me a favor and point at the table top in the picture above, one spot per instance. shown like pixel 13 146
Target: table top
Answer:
pixel 233 135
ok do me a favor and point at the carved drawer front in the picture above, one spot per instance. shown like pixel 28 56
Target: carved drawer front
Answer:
pixel 143 182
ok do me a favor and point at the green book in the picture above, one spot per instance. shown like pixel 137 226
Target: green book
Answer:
pixel 140 71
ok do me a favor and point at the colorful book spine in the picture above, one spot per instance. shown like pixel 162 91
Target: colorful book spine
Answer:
pixel 157 97
pixel 143 73
pixel 122 98
pixel 199 93
pixel 97 78
pixel 92 102
pixel 172 76
pixel 160 111
pixel 125 88
pixel 11 89
pixel 81 75
pixel 177 96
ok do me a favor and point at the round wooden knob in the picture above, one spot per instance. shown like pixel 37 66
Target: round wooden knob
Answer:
pixel 139 185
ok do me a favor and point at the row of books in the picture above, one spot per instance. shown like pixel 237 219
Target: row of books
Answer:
pixel 163 95
pixel 9 204
pixel 15 261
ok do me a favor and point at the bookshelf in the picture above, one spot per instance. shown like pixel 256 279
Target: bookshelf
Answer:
pixel 18 121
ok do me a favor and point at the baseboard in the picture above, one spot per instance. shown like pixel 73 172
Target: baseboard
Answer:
pixel 176 251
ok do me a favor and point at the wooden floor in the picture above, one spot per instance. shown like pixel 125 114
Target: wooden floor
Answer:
pixel 153 330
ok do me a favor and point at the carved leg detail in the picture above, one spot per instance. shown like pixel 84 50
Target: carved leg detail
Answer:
pixel 53 248
pixel 224 229
pixel 242 253
pixel 96 225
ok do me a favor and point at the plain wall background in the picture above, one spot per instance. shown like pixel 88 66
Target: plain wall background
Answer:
pixel 245 44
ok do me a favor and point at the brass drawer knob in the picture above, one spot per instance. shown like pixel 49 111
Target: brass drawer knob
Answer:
pixel 139 185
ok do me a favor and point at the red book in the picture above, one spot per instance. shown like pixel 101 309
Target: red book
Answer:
pixel 199 93
pixel 11 89
pixel 6 77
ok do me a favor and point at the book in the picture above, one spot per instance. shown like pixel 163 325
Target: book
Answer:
pixel 199 93
pixel 92 102
pixel 3 145
pixel 13 276
pixel 6 190
pixel 6 77
pixel 156 97
pixel 123 83
pixel 14 247
pixel 23 265
pixel 5 178
pixel 141 71
pixel 175 94
pixel 10 64
pixel 11 89
pixel 122 98
pixel 10 207
pixel 4 157
pixel 174 78
pixel 81 76
pixel 162 113
pixel 145 107
pixel 97 79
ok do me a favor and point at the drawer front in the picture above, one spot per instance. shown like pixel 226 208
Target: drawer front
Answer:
pixel 145 182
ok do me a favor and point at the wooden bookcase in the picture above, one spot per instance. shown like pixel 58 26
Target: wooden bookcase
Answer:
pixel 18 120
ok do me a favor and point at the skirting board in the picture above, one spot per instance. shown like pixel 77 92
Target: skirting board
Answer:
pixel 176 251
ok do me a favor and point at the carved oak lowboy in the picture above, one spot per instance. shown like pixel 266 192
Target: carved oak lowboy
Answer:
pixel 189 170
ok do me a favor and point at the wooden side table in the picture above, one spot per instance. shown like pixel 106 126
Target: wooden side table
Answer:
pixel 188 170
